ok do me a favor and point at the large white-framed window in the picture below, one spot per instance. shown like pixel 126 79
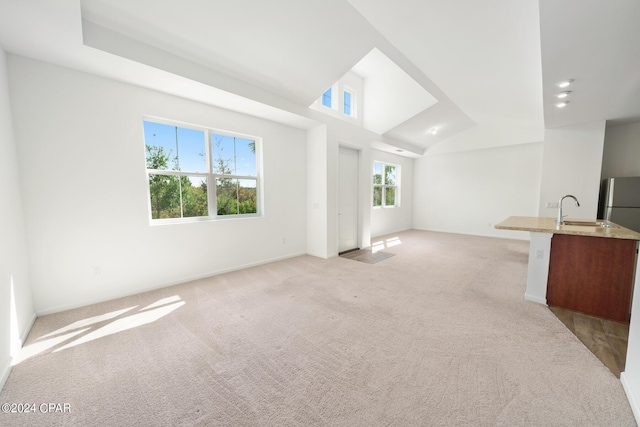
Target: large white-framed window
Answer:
pixel 386 189
pixel 200 173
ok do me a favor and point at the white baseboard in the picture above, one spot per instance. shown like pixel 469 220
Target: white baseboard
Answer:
pixel 531 298
pixel 51 310
pixel 25 332
pixel 6 370
pixel 632 396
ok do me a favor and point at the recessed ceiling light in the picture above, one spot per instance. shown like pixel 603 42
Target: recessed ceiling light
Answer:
pixel 565 83
pixel 563 94
pixel 433 130
pixel 562 104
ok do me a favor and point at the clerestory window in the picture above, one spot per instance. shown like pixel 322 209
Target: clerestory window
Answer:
pixel 339 99
pixel 347 104
pixel 327 98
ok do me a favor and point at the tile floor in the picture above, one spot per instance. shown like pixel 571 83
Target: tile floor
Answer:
pixel 606 339
pixel 366 255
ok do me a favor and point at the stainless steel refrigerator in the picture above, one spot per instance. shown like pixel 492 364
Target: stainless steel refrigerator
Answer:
pixel 620 201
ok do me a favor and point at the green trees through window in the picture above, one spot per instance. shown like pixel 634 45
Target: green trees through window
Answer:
pixel 234 194
pixel 384 185
pixel 174 196
pixel 183 164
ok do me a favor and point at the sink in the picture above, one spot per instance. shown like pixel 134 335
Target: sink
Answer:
pixel 589 223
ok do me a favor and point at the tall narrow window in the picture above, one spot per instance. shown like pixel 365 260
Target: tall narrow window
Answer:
pixel 326 98
pixel 234 168
pixel 385 185
pixel 346 107
pixel 199 173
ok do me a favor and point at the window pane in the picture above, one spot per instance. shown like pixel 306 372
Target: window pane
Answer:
pixel 377 173
pixel 222 151
pixel 247 196
pixel 227 196
pixel 377 196
pixel 174 148
pixel 390 175
pixel 326 98
pixel 194 196
pixel 191 152
pixel 347 103
pixel 390 196
pixel 245 157
pixel 160 144
pixel 233 156
pixel 164 191
pixel 236 196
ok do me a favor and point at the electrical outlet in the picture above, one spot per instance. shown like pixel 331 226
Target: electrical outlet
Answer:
pixel 539 254
pixel 97 270
pixel 552 205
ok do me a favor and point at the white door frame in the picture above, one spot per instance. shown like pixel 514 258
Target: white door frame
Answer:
pixel 356 199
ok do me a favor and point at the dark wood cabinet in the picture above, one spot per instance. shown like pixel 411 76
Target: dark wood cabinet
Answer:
pixel 592 275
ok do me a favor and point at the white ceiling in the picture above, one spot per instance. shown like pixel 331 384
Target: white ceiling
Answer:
pixel 391 96
pixel 596 43
pixel 491 63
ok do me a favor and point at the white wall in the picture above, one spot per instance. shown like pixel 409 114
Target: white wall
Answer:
pixel 82 166
pixel 488 136
pixel 571 165
pixel 390 94
pixel 323 144
pixel 391 220
pixel 631 376
pixel 16 312
pixel 316 174
pixel 621 155
pixel 469 192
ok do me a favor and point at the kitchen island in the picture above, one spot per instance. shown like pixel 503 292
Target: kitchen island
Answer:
pixel 585 266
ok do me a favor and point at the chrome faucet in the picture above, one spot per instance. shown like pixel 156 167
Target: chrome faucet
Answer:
pixel 559 220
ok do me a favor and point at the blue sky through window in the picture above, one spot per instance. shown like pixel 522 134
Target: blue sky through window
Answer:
pixel 347 103
pixel 326 98
pixel 235 154
pixel 184 147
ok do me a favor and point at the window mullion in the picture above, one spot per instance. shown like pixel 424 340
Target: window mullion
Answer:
pixel 211 181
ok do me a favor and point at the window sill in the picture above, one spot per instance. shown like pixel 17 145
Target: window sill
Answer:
pixel 195 220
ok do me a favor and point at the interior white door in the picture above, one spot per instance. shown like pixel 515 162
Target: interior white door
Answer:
pixel 347 199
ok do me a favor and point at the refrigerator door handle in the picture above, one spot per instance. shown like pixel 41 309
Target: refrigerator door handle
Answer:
pixel 612 184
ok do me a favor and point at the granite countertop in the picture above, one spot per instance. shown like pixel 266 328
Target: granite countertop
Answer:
pixel 548 225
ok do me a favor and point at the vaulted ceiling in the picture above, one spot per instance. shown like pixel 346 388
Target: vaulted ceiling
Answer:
pixel 492 63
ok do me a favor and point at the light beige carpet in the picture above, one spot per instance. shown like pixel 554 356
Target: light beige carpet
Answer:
pixel 438 335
